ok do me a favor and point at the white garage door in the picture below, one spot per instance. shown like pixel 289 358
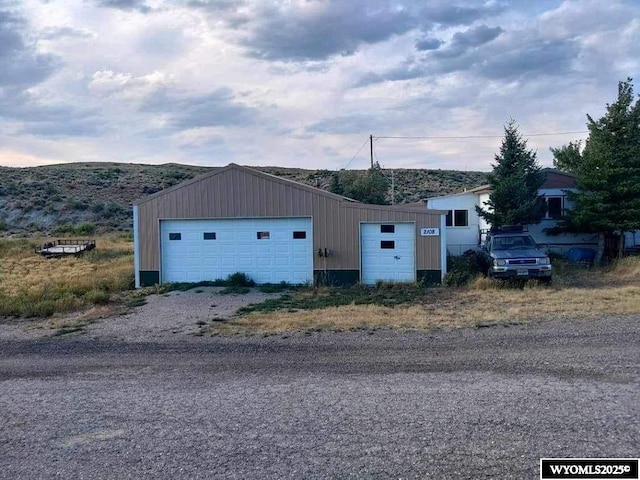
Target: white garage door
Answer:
pixel 267 250
pixel 387 251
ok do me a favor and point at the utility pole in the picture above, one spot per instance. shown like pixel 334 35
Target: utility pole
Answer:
pixel 393 188
pixel 371 148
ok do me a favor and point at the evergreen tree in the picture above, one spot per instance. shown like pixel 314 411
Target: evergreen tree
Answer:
pixel 515 181
pixel 607 200
pixel 370 188
pixel 568 158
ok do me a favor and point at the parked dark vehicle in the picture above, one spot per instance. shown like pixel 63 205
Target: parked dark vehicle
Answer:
pixel 511 253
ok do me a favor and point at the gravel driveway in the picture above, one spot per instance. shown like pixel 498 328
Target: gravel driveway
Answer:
pixel 174 314
pixel 485 403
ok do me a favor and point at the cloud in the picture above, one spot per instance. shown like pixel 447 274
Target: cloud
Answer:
pixel 346 124
pixel 216 5
pixel 184 112
pixel 538 57
pixel 428 44
pixel 234 13
pixel 22 65
pixel 66 122
pixel 97 79
pixel 162 43
pixel 33 116
pixel 462 42
pixel 316 30
pixel 489 53
pixel 127 5
pixel 55 33
pixel 106 83
pixel 444 13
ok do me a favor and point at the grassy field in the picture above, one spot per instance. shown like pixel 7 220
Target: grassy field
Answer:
pixel 33 286
pixel 576 292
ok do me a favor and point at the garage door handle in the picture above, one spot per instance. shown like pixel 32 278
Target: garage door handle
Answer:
pixel 396 257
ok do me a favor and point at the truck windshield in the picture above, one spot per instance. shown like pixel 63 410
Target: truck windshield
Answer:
pixel 510 243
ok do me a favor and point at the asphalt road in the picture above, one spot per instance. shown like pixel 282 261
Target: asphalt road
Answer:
pixel 484 403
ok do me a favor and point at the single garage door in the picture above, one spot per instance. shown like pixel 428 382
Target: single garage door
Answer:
pixel 387 252
pixel 268 250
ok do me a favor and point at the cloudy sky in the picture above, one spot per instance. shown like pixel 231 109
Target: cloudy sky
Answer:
pixel 304 82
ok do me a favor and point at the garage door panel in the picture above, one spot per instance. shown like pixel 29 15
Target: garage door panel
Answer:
pixel 190 236
pixel 227 249
pixel 242 263
pixel 264 261
pixel 264 249
pixel 210 251
pixel 236 248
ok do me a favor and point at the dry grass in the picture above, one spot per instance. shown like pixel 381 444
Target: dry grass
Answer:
pixel 576 293
pixel 31 285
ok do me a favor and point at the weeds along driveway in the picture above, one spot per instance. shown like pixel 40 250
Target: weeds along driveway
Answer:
pixel 161 318
pixel 471 403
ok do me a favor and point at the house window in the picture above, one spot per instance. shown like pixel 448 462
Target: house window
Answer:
pixel 263 235
pixel 175 236
pixel 554 207
pixel 461 218
pixel 388 244
pixel 299 235
pixel 209 235
pixel 457 218
pixel 387 228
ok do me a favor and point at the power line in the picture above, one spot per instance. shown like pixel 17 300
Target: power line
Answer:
pixel 359 150
pixel 435 137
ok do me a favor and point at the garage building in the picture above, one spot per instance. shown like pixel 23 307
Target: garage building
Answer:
pixel 237 219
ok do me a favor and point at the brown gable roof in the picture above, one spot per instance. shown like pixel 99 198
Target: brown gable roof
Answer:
pixel 557 179
pixel 554 178
pixel 233 166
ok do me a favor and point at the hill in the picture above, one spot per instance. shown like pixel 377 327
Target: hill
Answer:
pixel 81 198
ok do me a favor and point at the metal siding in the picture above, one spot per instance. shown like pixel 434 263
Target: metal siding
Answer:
pixel 136 247
pixel 238 193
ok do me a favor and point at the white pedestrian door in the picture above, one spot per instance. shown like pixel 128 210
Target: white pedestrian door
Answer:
pixel 268 250
pixel 387 252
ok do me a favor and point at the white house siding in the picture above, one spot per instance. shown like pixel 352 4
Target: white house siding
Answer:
pixel 483 198
pixel 460 239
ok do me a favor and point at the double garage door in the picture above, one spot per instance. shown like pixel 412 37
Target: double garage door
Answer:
pixel 268 250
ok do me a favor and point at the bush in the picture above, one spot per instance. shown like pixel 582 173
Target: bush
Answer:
pixel 84 229
pixel 235 290
pixel 99 297
pixel 461 270
pixel 276 287
pixel 240 279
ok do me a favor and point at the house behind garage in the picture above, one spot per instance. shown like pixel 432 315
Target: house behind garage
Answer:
pixel 466 230
pixel 237 219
